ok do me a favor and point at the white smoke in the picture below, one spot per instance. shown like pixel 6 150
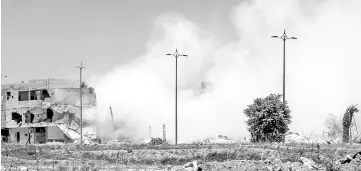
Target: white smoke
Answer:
pixel 323 74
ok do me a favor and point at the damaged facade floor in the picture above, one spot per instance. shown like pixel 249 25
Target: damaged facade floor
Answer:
pixel 34 112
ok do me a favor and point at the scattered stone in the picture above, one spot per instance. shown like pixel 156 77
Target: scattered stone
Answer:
pixel 22 168
pixel 357 155
pixel 310 163
pixel 277 162
pixel 220 139
pixel 192 166
pixel 347 159
pixel 296 138
pixel 115 142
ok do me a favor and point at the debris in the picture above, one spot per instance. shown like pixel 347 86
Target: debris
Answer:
pixel 348 159
pixel 192 166
pixel 69 132
pixel 345 160
pixel 357 155
pixel 310 163
pixel 54 143
pixel 22 168
pixel 73 125
pixel 146 141
pixel 220 139
pixel 116 142
pixel 295 137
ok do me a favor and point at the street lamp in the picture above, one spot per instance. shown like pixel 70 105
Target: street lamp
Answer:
pixel 176 55
pixel 284 38
pixel 81 111
pixel 81 102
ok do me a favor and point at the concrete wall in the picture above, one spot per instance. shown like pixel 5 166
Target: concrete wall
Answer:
pixel 3 116
pixel 58 116
pixel 23 138
pixel 55 133
pixel 71 96
pixel 64 96
pixel 51 133
pixel 40 114
pixel 58 97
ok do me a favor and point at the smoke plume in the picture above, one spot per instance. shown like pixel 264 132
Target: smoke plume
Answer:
pixel 323 71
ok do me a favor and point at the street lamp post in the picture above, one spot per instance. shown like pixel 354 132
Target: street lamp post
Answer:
pixel 176 55
pixel 81 102
pixel 81 110
pixel 284 38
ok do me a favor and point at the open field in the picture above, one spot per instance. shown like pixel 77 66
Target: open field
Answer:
pixel 169 157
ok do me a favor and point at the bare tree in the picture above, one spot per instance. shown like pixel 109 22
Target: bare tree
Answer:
pixel 334 127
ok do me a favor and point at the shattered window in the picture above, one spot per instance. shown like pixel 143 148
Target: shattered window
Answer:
pixel 45 94
pixel 38 95
pixel 8 94
pixel 32 95
pixel 23 95
pixel 40 130
pixel 16 117
pixel 5 132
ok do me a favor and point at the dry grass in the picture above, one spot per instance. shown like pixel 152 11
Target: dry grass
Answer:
pixel 98 156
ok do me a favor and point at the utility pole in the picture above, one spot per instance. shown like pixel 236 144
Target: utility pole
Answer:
pixel 176 55
pixel 81 109
pixel 284 38
pixel 164 138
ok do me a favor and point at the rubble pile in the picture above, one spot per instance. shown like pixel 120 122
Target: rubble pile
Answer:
pixel 354 160
pixel 146 141
pixel 115 142
pixel 220 139
pixel 193 166
pixel 335 140
pixel 156 141
pixel 55 143
pixel 88 138
pixel 311 164
pixel 70 133
pixel 41 109
pixel 296 138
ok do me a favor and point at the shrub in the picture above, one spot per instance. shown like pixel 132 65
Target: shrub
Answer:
pixel 268 119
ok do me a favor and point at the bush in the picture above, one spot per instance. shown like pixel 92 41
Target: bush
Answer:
pixel 268 119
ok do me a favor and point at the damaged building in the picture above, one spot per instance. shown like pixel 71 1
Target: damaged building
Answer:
pixel 40 111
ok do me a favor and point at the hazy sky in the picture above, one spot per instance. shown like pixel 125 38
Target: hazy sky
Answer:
pixel 229 46
pixel 42 38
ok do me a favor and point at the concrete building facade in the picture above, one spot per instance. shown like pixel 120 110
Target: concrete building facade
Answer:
pixel 38 111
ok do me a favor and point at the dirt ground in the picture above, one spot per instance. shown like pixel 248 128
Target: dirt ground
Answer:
pixel 168 157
